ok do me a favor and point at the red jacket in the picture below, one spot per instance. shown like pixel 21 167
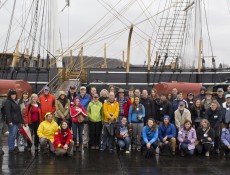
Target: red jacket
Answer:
pixel 47 104
pixel 75 112
pixel 27 114
pixel 126 105
pixel 61 138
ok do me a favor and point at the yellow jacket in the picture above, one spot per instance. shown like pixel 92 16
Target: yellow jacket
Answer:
pixel 110 110
pixel 47 129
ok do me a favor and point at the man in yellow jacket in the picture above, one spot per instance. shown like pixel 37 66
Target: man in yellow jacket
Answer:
pixel 46 132
pixel 111 112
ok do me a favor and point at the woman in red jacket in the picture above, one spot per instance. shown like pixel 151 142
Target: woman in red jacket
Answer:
pixel 33 117
pixel 63 140
pixel 77 113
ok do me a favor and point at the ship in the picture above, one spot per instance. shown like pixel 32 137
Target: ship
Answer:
pixel 41 61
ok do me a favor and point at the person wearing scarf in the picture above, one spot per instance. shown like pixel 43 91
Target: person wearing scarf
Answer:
pixel 63 140
pixel 62 107
pixel 187 138
pixel 77 113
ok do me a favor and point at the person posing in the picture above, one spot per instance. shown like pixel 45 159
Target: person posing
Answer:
pixel 225 140
pixel 136 118
pixel 46 132
pixel 176 102
pixel 167 134
pixel 13 119
pixel 150 134
pixel 226 109
pixel 62 107
pixel 103 96
pixel 202 93
pixel 163 107
pixel 124 104
pixel 150 108
pixel 174 93
pixel 71 94
pixel 24 101
pixel 63 140
pixel 85 99
pixel 47 101
pixel 123 133
pixel 205 137
pixel 131 95
pixel 197 113
pixel 181 115
pixel 190 99
pixel 220 96
pixel 93 91
pixel 94 112
pixel 2 121
pixel 77 113
pixel 206 102
pixel 187 137
pixel 33 118
pixel 111 112
pixel 214 116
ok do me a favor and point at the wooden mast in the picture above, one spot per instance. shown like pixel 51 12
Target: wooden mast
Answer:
pixel 199 56
pixel 149 56
pixel 128 49
pixel 105 63
pixel 82 59
pixel 123 58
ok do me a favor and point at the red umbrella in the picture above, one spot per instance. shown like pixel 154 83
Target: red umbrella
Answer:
pixel 25 130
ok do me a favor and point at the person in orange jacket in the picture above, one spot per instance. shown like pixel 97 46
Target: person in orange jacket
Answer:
pixel 47 101
pixel 63 140
pixel 32 118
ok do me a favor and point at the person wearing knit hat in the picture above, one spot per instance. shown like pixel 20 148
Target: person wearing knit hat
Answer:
pixel 167 135
pixel 63 140
pixel 62 107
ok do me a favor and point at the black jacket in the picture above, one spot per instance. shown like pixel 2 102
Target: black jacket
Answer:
pixel 149 108
pixel 13 112
pixel 201 137
pixel 163 108
pixel 195 113
pixel 214 117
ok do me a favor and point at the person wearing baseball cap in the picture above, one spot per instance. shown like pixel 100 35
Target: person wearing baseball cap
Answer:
pixel 220 96
pixel 190 99
pixel 71 94
pixel 181 115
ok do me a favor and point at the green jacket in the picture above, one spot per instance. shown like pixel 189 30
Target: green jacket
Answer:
pixel 94 111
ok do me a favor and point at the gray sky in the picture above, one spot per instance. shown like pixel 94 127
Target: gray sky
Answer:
pixel 77 19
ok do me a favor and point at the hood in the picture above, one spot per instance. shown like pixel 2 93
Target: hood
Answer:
pixel 74 101
pixel 48 113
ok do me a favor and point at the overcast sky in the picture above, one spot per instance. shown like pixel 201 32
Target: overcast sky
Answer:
pixel 82 15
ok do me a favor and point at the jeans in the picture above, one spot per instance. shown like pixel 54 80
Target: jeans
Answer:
pixel 206 147
pixel 1 128
pixel 184 147
pixel 77 127
pixel 94 133
pixel 124 143
pixel 137 130
pixel 13 131
pixel 33 129
pixel 44 142
pixel 108 136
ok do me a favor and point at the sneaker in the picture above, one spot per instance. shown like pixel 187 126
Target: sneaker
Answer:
pixel 127 152
pixel 92 147
pixel 217 151
pixel 207 154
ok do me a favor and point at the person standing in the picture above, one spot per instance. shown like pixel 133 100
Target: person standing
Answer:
pixel 94 112
pixel 136 119
pixel 24 101
pixel 33 118
pixel 62 107
pixel 190 99
pixel 2 120
pixel 103 96
pixel 111 112
pixel 187 138
pixel 71 94
pixel 176 102
pixel 181 115
pixel 93 91
pixel 197 113
pixel 220 96
pixel 226 109
pixel 46 132
pixel 214 116
pixel 206 102
pixel 84 100
pixel 131 95
pixel 47 101
pixel 13 119
pixel 202 94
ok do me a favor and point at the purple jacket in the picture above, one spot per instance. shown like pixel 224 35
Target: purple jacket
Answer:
pixel 191 134
pixel 225 137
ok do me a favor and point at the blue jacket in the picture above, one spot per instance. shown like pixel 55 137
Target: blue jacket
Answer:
pixel 225 137
pixel 85 100
pixel 133 115
pixel 149 136
pixel 169 131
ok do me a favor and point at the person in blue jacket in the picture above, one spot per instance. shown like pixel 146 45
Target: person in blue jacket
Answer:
pixel 225 140
pixel 167 134
pixel 136 120
pixel 150 134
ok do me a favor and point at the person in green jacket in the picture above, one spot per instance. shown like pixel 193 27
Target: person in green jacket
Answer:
pixel 94 111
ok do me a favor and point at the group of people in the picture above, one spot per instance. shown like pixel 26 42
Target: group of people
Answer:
pixel 138 121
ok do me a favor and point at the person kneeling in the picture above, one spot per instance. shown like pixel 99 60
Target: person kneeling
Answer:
pixel 167 136
pixel 187 138
pixel 63 140
pixel 150 135
pixel 46 132
pixel 123 133
pixel 225 139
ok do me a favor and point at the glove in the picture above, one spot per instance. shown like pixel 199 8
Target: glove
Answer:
pixel 187 141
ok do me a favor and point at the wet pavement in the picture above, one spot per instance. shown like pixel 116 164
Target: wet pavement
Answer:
pixel 96 162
